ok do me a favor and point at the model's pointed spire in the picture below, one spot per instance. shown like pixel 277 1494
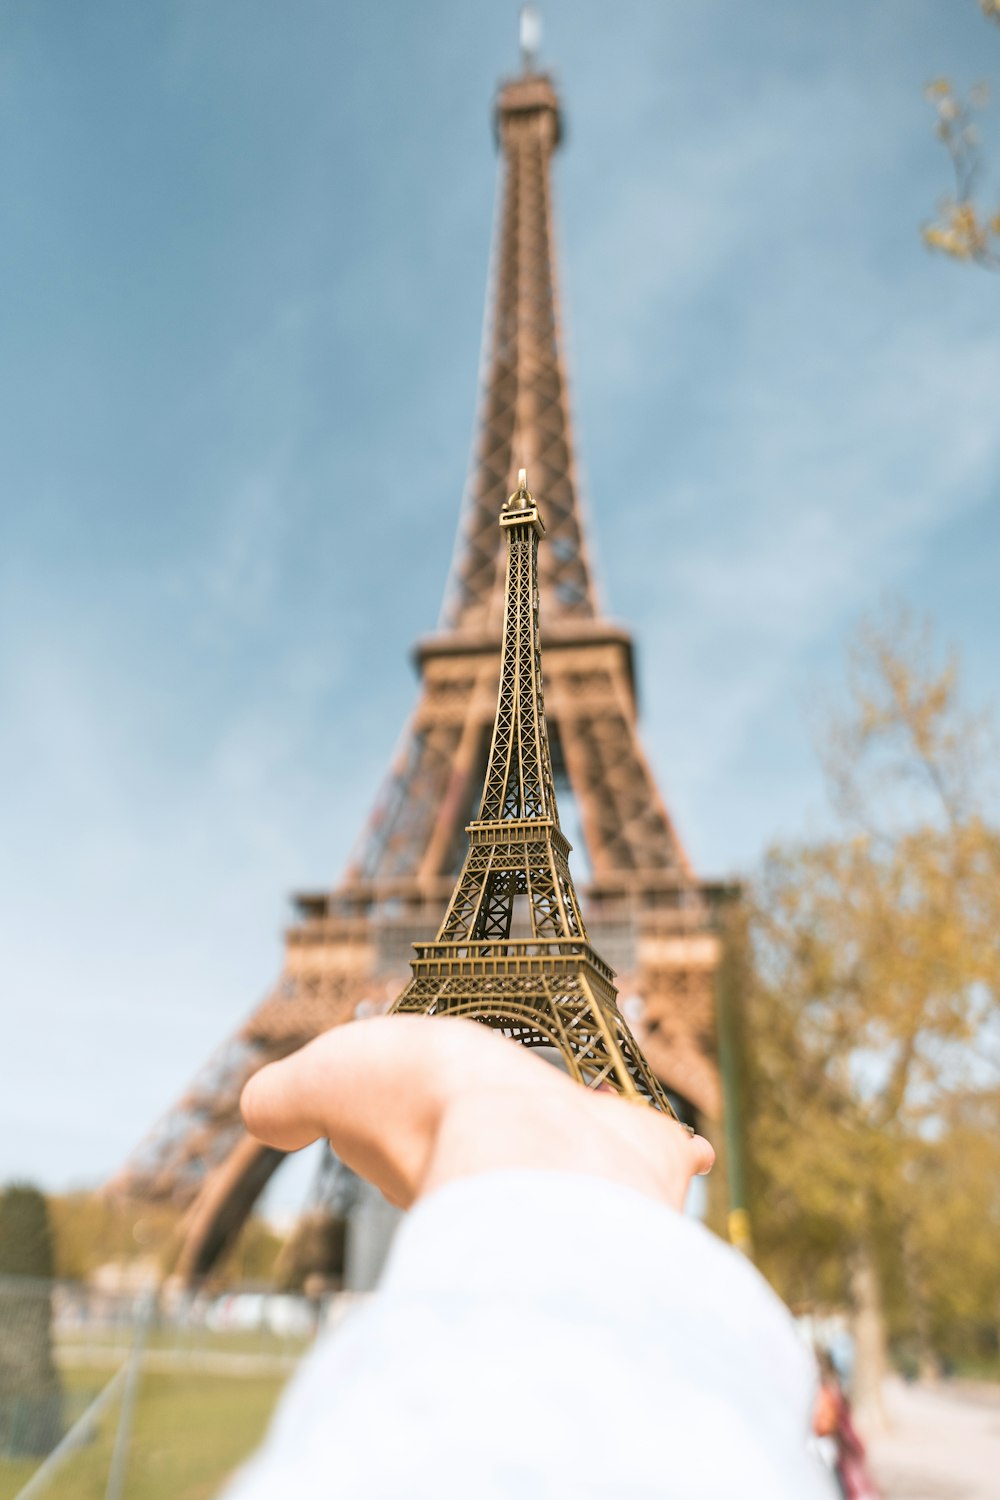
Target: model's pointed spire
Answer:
pixel 544 986
pixel 521 493
pixel 524 408
pixel 519 782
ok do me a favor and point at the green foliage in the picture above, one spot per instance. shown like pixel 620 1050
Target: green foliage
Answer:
pixel 872 1005
pixel 31 1408
pixel 254 1257
pixel 92 1230
pixel 953 1229
pixel 25 1233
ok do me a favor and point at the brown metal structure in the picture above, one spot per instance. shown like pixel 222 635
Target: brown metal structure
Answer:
pixel 349 951
pixel 538 980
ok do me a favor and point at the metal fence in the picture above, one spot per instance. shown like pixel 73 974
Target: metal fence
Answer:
pixel 109 1391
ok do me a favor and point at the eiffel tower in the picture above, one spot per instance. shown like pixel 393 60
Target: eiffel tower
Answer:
pixel 348 952
pixel 547 988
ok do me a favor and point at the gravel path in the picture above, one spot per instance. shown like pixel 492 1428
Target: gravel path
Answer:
pixel 944 1443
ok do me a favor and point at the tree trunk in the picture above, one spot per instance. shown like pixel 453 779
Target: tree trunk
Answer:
pixel 927 1364
pixel 868 1327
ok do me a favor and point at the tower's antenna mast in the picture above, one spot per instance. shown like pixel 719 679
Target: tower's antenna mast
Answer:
pixel 531 37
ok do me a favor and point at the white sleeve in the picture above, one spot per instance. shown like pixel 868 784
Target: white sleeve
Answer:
pixel 543 1334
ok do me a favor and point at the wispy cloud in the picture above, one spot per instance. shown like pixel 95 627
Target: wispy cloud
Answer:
pixel 237 455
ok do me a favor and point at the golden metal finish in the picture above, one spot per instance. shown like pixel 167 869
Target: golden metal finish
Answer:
pixel 547 988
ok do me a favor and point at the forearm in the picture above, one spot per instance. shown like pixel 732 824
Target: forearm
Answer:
pixel 542 1333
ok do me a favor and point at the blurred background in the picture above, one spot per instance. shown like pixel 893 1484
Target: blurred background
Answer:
pixel 244 259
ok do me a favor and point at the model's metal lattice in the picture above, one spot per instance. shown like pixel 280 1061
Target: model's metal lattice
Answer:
pixel 349 950
pixel 547 987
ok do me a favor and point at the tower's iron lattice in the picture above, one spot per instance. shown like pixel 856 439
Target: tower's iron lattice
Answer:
pixel 649 915
pixel 544 986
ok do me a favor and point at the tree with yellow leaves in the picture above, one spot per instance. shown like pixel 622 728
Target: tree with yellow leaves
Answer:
pixel 963 229
pixel 874 1000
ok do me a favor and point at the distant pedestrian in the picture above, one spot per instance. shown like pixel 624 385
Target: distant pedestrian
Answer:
pixel 837 1438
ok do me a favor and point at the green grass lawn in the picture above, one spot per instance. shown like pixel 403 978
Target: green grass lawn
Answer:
pixel 191 1430
pixel 226 1340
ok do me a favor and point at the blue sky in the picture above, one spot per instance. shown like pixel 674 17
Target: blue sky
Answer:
pixel 243 263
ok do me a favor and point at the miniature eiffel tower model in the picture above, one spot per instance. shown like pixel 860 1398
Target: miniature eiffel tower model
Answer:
pixel 548 987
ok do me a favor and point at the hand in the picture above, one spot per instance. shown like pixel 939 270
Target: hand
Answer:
pixel 413 1102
